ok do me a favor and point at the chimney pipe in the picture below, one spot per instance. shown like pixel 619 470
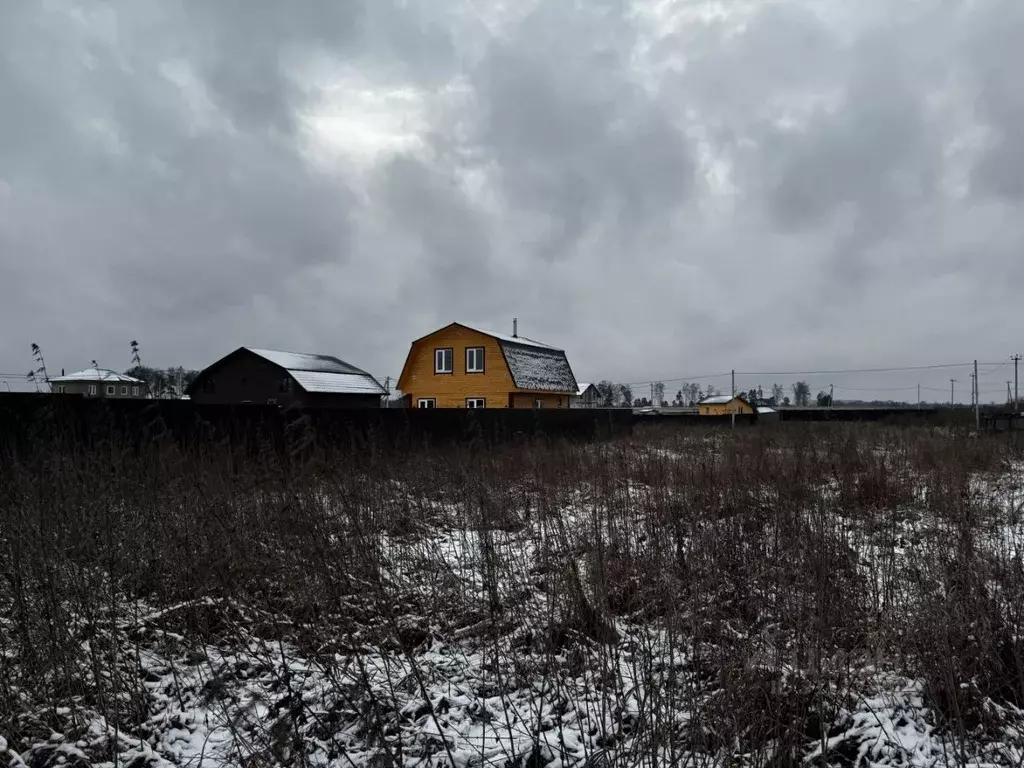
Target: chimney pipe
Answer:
pixel 515 327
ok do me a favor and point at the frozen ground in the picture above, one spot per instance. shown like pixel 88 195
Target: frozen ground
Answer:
pixel 481 653
pixel 444 703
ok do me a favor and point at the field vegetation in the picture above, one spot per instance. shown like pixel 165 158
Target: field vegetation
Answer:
pixel 841 595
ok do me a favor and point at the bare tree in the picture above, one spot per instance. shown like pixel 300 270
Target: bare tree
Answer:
pixel 802 393
pixel 626 392
pixel 606 393
pixel 37 353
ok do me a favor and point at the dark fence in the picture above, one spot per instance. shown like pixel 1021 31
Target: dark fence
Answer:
pixel 696 420
pixel 847 413
pixel 28 421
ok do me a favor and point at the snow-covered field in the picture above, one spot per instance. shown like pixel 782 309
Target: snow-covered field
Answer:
pixel 693 602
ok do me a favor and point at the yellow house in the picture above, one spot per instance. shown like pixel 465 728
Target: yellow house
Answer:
pixel 723 405
pixel 462 367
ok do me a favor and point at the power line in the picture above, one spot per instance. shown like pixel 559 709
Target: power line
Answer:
pixel 805 373
pixel 824 372
pixel 702 377
pixel 854 370
pixel 879 389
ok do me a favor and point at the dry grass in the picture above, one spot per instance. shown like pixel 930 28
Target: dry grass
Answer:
pixel 678 597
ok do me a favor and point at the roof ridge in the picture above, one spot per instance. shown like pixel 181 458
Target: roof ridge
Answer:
pixel 506 338
pixel 277 357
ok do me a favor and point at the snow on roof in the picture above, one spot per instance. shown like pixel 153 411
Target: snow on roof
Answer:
pixel 97 374
pixel 582 387
pixel 765 409
pixel 323 373
pixel 338 383
pixel 504 337
pixel 300 361
pixel 717 400
pixel 538 367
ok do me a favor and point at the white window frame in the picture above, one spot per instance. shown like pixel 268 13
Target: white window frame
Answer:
pixel 111 390
pixel 422 402
pixel 124 390
pixel 538 403
pixel 92 390
pixel 439 359
pixel 476 402
pixel 469 353
pixel 61 389
pixel 135 390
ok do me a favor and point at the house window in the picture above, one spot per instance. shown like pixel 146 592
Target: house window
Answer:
pixel 443 360
pixel 538 403
pixel 476 402
pixel 285 384
pixel 110 389
pixel 92 390
pixel 135 391
pixel 474 360
pixel 60 389
pixel 208 386
pixel 124 389
pixel 426 402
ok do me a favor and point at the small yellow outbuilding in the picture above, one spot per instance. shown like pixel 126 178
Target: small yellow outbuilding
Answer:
pixel 723 405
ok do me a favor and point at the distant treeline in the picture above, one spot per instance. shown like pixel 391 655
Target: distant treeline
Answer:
pixel 167 383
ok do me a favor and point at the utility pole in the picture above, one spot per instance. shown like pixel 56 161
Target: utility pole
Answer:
pixel 1009 395
pixel 733 409
pixel 973 388
pixel 977 398
pixel 1016 396
pixel 831 395
pixel 952 385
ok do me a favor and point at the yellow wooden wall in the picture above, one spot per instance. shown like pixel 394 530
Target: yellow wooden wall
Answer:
pixel 450 390
pixel 525 400
pixel 724 409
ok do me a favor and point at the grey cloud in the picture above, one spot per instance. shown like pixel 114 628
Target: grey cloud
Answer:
pixel 992 59
pixel 425 204
pixel 574 136
pixel 155 181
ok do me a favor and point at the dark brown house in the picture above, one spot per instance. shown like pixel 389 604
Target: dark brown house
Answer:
pixel 272 377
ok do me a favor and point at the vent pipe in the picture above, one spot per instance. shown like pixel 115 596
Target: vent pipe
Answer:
pixel 515 327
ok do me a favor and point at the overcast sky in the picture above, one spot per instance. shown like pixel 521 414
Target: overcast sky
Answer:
pixel 662 188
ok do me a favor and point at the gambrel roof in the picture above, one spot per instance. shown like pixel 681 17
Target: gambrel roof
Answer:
pixel 320 374
pixel 534 366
